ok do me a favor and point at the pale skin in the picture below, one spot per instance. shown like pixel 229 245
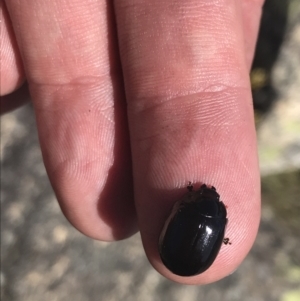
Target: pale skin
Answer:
pixel 133 101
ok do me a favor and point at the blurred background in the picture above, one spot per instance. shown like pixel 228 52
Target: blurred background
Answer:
pixel 44 258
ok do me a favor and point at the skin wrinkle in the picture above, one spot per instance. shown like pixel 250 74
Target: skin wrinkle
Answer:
pixel 141 105
pixel 86 79
pixel 211 115
pixel 191 83
pixel 96 92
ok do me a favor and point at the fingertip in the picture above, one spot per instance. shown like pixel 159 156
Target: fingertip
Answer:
pixel 106 216
pixel 242 227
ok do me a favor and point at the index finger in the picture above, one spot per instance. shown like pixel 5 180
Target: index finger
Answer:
pixel 190 117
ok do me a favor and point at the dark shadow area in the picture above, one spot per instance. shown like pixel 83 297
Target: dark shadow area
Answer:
pixel 14 100
pixel 271 35
pixel 116 202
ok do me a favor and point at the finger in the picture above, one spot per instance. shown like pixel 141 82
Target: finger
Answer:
pixel 190 116
pixel 11 71
pixel 74 77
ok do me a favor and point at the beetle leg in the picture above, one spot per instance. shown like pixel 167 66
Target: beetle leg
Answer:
pixel 226 241
pixel 190 186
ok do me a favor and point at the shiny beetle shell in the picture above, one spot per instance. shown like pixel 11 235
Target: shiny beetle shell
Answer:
pixel 193 234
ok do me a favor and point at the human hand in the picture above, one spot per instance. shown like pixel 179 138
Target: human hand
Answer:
pixel 175 107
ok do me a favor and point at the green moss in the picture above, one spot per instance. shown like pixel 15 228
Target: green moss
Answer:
pixel 282 193
pixel 269 154
pixel 293 295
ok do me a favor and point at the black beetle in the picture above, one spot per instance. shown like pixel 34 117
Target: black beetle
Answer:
pixel 193 233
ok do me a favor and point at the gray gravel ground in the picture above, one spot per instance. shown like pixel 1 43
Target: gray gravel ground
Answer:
pixel 44 258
